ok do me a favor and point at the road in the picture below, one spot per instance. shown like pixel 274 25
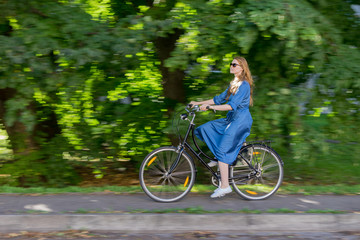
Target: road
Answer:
pixel 78 203
pixel 134 216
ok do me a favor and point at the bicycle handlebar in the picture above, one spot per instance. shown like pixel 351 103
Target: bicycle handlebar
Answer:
pixel 195 108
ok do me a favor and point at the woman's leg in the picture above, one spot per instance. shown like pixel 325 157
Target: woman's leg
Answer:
pixel 224 173
pixel 224 186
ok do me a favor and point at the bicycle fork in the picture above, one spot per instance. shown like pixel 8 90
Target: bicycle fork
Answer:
pixel 181 146
pixel 180 151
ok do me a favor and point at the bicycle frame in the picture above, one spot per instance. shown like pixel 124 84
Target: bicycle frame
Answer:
pixel 184 144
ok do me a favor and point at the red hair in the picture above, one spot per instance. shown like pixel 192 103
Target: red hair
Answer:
pixel 244 76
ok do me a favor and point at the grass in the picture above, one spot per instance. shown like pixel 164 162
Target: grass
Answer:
pixel 71 189
pixel 200 210
pixel 339 189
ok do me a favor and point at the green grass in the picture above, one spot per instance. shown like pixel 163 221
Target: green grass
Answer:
pixel 72 189
pixel 339 189
pixel 200 210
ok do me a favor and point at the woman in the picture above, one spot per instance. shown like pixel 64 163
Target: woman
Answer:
pixel 225 136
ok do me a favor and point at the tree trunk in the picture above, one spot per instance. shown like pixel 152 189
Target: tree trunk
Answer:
pixel 172 80
pixel 21 140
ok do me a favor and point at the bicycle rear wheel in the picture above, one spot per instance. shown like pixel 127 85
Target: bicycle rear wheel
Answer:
pixel 259 185
pixel 164 187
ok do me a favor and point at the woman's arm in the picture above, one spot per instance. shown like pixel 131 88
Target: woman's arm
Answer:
pixel 224 107
pixel 208 102
pixel 211 104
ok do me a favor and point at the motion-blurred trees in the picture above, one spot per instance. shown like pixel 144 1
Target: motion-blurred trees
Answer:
pixel 96 81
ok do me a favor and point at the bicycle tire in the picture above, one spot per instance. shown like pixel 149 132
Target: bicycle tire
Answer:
pixel 162 187
pixel 266 182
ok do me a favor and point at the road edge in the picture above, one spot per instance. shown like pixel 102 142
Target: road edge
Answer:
pixel 181 222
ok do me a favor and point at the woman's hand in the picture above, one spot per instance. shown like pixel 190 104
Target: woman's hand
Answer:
pixel 206 102
pixel 193 103
pixel 204 107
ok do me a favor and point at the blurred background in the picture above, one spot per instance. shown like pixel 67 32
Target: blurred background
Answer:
pixel 89 87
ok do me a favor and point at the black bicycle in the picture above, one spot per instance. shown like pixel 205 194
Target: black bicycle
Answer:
pixel 167 174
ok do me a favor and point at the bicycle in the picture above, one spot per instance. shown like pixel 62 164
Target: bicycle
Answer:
pixel 167 174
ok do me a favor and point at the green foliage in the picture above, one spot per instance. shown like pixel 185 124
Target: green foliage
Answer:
pixel 89 78
pixel 41 168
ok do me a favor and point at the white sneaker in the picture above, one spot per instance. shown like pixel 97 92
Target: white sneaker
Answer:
pixel 212 163
pixel 220 192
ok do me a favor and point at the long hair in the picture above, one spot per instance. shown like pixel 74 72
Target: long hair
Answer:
pixel 244 76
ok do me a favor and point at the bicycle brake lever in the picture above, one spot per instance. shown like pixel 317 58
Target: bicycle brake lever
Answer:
pixel 208 107
pixel 196 108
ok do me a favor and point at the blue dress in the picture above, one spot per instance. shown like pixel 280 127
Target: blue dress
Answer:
pixel 225 136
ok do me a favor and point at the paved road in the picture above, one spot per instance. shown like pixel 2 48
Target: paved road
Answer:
pixel 78 203
pixel 114 212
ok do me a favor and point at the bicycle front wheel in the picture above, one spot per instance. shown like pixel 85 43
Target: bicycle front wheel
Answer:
pixel 156 181
pixel 262 182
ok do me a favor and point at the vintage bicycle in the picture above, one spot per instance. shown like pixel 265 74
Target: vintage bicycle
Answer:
pixel 167 174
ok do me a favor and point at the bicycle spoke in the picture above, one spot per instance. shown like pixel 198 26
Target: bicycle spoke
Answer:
pixel 158 169
pixel 168 158
pixel 176 182
pixel 270 166
pixel 266 180
pixel 161 164
pixel 262 160
pixel 270 176
pixel 262 181
pixel 161 187
pixel 180 173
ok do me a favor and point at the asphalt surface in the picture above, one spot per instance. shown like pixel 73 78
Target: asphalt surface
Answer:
pixel 125 213
pixel 83 203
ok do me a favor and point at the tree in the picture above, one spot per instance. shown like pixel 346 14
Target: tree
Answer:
pixel 98 81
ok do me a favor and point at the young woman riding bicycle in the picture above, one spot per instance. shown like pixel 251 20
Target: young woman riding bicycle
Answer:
pixel 226 136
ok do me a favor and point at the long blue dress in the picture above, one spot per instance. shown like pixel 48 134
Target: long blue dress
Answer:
pixel 225 136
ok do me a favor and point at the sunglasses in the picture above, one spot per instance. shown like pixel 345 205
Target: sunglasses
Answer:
pixel 234 64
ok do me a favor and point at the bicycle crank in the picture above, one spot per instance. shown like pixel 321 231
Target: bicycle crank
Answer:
pixel 215 181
